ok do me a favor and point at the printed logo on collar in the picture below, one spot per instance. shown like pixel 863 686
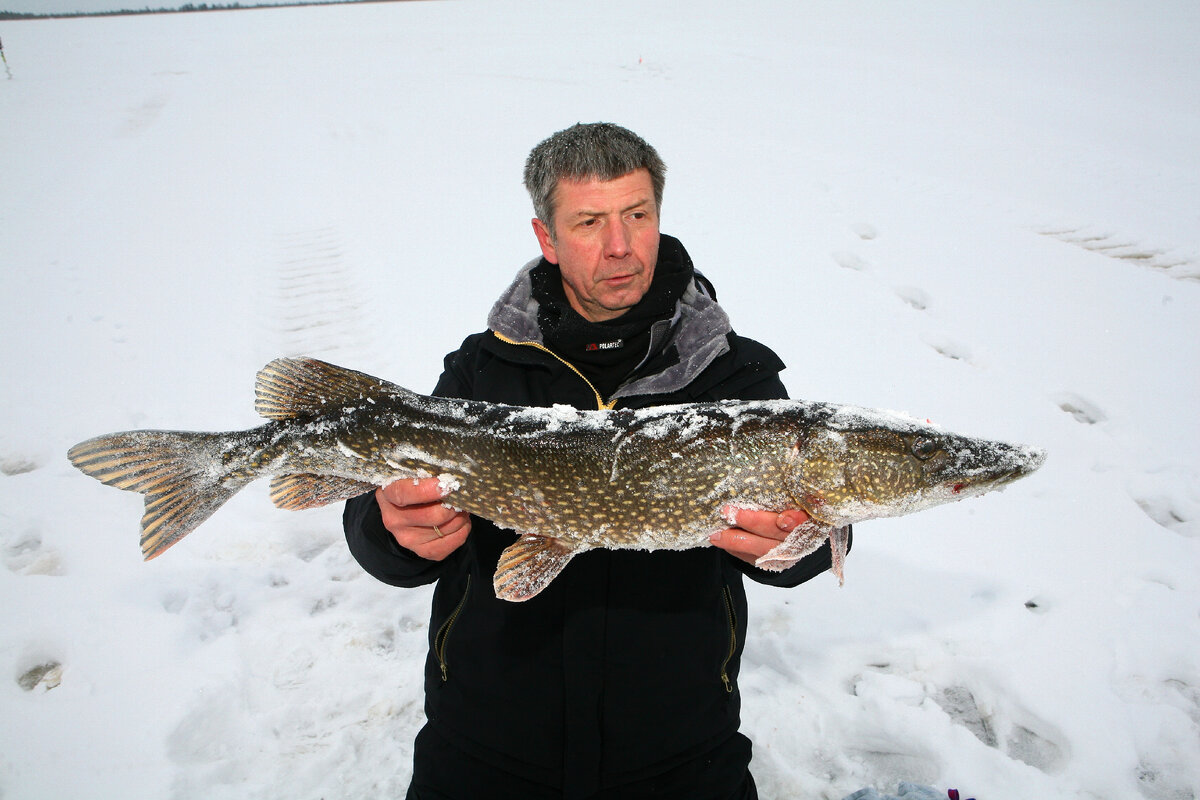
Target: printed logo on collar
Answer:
pixel 613 345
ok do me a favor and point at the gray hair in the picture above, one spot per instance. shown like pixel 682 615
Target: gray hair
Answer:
pixel 596 150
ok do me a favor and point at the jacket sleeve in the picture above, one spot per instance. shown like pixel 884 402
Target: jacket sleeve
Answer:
pixel 371 544
pixel 375 549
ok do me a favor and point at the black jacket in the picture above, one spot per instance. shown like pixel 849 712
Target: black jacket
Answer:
pixel 627 663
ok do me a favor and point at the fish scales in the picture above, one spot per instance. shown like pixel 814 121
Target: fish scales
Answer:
pixel 564 480
pixel 584 477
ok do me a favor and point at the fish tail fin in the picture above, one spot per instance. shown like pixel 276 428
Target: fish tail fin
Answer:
pixel 180 473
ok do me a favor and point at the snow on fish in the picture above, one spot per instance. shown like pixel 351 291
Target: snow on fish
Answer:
pixel 566 481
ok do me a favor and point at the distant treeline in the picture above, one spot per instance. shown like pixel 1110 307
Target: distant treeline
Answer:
pixel 185 8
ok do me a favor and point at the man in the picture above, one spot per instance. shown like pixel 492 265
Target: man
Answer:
pixel 619 680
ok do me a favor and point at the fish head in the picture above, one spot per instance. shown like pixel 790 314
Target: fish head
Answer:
pixel 862 465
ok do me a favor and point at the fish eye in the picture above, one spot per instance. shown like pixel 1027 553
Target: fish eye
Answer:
pixel 924 449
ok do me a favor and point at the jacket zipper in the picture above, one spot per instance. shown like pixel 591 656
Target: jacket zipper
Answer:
pixel 730 615
pixel 443 634
pixel 600 402
pixel 731 618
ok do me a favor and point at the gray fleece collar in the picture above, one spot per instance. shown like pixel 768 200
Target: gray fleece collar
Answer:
pixel 698 331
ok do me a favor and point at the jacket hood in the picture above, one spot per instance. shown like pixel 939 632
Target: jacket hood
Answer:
pixel 697 331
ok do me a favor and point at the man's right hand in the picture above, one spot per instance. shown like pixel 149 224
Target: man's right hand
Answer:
pixel 413 512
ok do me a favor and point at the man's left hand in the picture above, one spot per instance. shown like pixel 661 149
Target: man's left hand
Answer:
pixel 756 532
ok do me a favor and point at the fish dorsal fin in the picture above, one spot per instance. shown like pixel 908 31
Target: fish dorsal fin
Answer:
pixel 297 387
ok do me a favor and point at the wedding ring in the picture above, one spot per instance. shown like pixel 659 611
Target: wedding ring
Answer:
pixel 438 531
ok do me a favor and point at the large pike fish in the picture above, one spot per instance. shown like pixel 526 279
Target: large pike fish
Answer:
pixel 566 481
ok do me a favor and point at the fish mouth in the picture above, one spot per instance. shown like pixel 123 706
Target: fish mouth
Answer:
pixel 1021 462
pixel 981 484
pixel 1031 460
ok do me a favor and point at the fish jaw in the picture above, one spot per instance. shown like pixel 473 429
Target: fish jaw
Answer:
pixel 844 475
pixel 983 466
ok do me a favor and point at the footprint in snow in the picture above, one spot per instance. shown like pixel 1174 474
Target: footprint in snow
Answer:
pixel 1082 409
pixel 1012 731
pixel 1168 494
pixel 1170 512
pixel 16 464
pixel 997 724
pixel 26 554
pixel 950 348
pixel 914 297
pixel 1157 781
pixel 41 677
pixel 959 703
pixel 864 230
pixel 1162 777
pixel 849 260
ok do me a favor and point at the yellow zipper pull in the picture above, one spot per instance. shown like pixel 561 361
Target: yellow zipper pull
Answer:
pixel 600 404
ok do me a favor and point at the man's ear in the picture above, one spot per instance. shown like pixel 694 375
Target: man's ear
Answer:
pixel 545 241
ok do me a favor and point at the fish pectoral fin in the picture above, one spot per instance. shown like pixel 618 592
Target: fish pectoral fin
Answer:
pixel 296 387
pixel 296 492
pixel 803 539
pixel 528 565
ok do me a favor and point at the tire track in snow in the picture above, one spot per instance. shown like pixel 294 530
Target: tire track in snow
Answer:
pixel 302 612
pixel 318 308
pixel 1124 248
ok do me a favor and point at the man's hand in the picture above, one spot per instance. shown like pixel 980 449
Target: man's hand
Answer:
pixel 413 512
pixel 756 532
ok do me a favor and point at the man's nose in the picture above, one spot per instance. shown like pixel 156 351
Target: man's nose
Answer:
pixel 617 238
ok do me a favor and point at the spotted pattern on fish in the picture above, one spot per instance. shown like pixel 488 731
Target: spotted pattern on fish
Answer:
pixel 565 480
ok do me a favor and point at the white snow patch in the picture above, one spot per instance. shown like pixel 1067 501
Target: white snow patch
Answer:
pixel 151 165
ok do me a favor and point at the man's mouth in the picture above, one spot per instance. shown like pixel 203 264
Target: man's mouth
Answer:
pixel 618 280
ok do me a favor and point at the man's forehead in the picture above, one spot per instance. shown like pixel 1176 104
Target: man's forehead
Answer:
pixel 641 172
pixel 632 188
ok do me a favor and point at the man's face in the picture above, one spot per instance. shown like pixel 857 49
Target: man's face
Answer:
pixel 606 242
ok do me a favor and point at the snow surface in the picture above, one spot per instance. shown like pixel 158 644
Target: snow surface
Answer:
pixel 985 214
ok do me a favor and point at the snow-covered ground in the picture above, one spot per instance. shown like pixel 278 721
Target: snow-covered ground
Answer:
pixel 985 214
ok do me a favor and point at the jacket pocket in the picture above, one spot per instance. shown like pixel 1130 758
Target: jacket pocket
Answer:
pixel 443 635
pixel 731 620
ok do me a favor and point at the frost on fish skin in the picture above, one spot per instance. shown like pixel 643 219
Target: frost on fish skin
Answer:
pixel 448 483
pixel 655 478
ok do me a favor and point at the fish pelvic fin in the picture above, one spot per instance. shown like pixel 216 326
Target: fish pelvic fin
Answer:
pixel 180 473
pixel 803 540
pixel 528 565
pixel 839 544
pixel 288 388
pixel 296 492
